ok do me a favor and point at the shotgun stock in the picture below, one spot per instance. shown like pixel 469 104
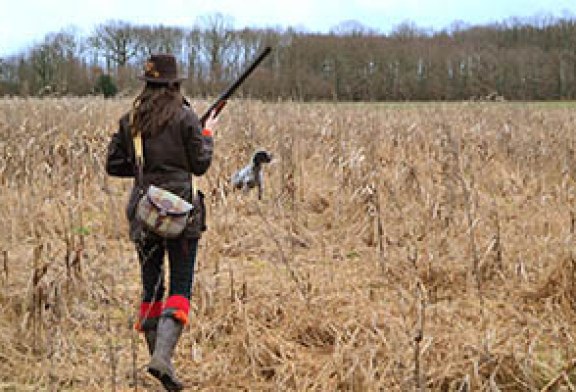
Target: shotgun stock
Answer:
pixel 221 101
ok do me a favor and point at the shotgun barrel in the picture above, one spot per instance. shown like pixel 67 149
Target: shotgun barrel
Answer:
pixel 221 101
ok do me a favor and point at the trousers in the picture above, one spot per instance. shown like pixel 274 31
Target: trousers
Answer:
pixel 181 262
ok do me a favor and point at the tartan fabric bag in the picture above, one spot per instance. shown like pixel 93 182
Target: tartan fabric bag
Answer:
pixel 163 212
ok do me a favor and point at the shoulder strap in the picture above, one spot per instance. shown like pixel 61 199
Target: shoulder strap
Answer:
pixel 193 187
pixel 138 149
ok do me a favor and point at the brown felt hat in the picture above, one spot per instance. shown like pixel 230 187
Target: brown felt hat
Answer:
pixel 161 68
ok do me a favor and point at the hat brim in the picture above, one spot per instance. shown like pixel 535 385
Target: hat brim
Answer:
pixel 161 80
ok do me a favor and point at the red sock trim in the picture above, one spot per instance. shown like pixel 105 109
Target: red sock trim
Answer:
pixel 150 309
pixel 178 302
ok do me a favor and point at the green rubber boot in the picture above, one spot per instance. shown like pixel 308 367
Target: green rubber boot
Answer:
pixel 160 366
pixel 150 337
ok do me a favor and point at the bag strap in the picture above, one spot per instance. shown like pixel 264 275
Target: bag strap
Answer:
pixel 138 150
pixel 192 178
pixel 193 187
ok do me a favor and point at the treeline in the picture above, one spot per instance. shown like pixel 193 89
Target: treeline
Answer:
pixel 517 59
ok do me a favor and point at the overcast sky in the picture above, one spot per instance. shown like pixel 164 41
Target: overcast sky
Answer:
pixel 25 22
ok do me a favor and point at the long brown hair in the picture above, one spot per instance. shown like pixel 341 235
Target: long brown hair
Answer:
pixel 156 107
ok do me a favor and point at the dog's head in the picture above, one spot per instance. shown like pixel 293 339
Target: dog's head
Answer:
pixel 261 156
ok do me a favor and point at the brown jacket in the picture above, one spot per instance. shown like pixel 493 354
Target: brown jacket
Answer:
pixel 169 157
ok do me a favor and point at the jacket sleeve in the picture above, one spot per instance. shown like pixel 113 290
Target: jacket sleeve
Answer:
pixel 119 160
pixel 199 147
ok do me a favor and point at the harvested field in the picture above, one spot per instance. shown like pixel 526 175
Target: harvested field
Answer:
pixel 398 247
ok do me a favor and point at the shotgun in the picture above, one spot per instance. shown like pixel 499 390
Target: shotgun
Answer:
pixel 221 101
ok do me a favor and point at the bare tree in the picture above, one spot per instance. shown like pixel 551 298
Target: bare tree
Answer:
pixel 117 42
pixel 215 42
pixel 9 81
pixel 52 61
pixel 160 39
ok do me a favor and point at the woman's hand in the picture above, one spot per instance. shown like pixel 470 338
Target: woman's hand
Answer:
pixel 211 121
